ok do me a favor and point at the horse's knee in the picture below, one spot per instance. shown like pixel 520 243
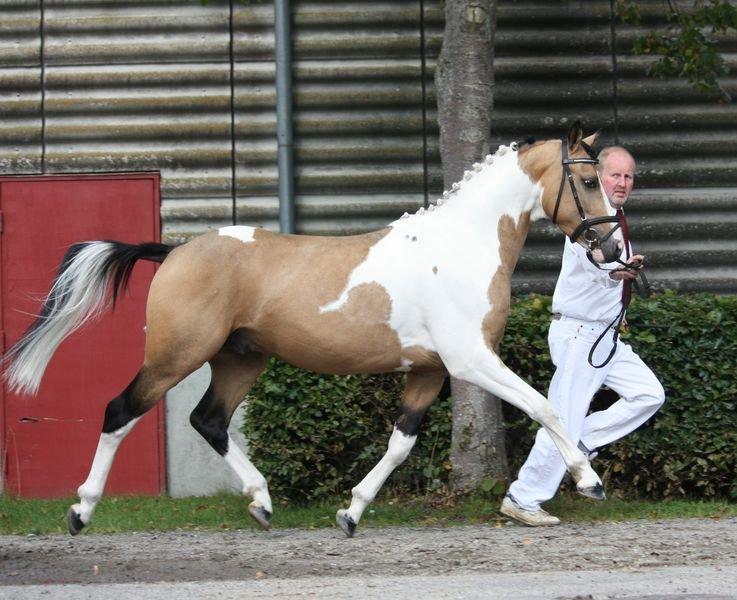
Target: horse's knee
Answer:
pixel 400 445
pixel 210 421
pixel 123 409
pixel 542 412
pixel 409 421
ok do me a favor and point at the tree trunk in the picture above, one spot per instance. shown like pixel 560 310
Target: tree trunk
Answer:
pixel 464 80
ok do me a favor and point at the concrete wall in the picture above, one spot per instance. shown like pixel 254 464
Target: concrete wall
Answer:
pixel 193 467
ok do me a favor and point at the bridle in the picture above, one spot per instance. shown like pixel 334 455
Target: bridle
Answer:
pixel 587 226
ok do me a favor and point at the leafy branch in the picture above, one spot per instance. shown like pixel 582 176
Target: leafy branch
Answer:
pixel 688 47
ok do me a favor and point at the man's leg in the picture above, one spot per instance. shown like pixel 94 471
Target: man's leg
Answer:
pixel 571 389
pixel 641 397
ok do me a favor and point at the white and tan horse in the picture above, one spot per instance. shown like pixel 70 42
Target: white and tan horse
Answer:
pixel 428 295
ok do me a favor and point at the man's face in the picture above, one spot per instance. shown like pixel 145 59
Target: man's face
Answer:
pixel 618 177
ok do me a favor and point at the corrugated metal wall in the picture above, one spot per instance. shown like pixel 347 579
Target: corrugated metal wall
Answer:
pixel 555 63
pixel 101 85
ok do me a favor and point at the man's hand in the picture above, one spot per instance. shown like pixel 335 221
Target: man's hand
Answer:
pixel 634 264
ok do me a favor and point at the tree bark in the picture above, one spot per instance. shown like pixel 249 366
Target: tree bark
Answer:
pixel 464 81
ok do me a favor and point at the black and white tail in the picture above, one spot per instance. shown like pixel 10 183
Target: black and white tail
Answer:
pixel 89 280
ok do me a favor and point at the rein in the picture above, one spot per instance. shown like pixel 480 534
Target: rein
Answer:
pixel 644 292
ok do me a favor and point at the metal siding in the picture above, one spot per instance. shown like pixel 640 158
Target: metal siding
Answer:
pixel 357 111
pixel 553 65
pixel 20 87
pixel 140 86
pixel 685 142
pixel 144 85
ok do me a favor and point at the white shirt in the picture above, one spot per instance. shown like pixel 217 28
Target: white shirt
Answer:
pixel 583 291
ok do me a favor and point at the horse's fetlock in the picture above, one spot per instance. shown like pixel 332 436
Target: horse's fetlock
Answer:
pixel 88 495
pixel 358 494
pixel 258 486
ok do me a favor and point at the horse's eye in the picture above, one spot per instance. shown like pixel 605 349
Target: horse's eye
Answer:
pixel 590 183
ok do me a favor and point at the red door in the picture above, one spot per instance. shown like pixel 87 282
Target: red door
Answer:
pixel 48 440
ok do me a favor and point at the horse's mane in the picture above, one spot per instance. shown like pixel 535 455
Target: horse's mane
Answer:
pixel 467 175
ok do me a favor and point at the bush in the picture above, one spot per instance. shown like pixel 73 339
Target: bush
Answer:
pixel 690 447
pixel 316 436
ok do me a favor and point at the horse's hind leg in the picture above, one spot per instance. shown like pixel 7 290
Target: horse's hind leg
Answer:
pixel 233 374
pixel 420 392
pixel 183 332
pixel 121 415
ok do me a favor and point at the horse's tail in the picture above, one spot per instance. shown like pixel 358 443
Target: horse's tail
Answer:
pixel 90 277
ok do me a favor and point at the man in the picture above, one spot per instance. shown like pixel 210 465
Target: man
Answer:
pixel 586 303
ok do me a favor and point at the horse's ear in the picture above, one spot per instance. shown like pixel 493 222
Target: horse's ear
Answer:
pixel 591 140
pixel 575 135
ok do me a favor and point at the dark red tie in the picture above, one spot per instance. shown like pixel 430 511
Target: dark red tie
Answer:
pixel 627 283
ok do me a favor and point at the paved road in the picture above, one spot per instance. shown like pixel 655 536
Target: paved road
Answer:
pixel 671 583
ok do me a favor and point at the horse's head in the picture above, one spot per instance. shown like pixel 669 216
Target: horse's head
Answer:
pixel 572 196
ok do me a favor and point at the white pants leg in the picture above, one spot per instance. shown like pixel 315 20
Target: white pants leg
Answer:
pixel 573 385
pixel 641 395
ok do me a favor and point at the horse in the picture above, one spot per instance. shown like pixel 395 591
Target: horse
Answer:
pixel 428 295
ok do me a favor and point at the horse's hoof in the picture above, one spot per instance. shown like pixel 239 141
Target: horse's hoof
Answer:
pixel 346 523
pixel 74 522
pixel 596 492
pixel 262 516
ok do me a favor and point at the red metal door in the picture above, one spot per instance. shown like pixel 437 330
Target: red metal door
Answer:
pixel 48 441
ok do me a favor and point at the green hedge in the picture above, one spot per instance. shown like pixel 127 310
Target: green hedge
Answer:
pixel 315 436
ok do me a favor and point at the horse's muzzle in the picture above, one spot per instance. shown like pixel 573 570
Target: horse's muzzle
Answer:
pixel 609 251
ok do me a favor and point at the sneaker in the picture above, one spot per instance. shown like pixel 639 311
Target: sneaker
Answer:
pixel 533 518
pixel 590 454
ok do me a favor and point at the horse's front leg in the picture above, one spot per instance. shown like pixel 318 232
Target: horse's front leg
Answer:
pixel 420 392
pixel 485 369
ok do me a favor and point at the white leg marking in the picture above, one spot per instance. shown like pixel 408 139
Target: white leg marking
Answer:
pixel 91 490
pixel 399 448
pixel 254 484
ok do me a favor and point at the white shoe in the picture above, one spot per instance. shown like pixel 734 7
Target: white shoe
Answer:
pixel 533 518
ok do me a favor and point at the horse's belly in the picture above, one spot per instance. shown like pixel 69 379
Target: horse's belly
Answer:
pixel 336 345
pixel 359 336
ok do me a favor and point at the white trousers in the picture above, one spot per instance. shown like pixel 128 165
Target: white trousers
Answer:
pixel 571 390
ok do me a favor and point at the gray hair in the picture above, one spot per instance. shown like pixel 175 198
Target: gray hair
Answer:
pixel 608 151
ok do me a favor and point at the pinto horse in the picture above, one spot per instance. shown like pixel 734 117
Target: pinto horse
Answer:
pixel 428 295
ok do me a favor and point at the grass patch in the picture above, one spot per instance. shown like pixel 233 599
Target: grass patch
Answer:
pixel 227 512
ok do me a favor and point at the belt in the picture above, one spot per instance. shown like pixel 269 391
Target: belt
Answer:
pixel 559 316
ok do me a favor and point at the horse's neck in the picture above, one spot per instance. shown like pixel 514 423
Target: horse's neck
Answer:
pixel 495 198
